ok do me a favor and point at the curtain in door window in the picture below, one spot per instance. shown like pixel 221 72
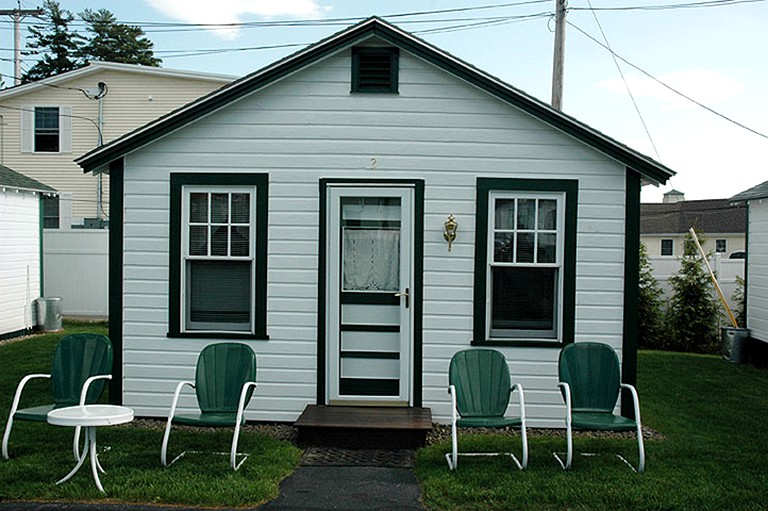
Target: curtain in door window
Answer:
pixel 371 259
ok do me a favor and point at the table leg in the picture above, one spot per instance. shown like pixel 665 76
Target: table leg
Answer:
pixel 79 461
pixel 95 466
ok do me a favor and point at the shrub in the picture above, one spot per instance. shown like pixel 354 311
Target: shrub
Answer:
pixel 650 306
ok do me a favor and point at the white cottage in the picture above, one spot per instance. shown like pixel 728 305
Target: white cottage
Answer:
pixel 756 199
pixel 20 250
pixel 302 210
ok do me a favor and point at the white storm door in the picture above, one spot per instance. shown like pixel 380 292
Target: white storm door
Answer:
pixel 369 316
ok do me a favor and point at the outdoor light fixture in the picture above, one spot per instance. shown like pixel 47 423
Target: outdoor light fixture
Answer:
pixel 450 230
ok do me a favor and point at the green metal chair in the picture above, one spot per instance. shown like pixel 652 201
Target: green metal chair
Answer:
pixel 590 383
pixel 224 382
pixel 80 364
pixel 480 390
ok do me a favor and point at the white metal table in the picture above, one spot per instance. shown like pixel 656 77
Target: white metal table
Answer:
pixel 90 417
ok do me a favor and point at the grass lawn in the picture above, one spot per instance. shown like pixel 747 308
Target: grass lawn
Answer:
pixel 42 454
pixel 712 413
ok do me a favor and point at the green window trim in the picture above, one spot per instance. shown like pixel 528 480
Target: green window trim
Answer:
pixel 485 186
pixel 375 69
pixel 176 264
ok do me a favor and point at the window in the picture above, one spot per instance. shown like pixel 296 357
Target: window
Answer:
pixel 218 256
pixel 667 247
pixel 50 211
pixel 721 246
pixel 375 69
pixel 525 261
pixel 47 130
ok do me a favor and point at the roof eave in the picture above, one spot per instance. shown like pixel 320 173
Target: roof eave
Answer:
pixel 649 169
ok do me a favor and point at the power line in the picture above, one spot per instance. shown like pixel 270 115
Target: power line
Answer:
pixel 646 73
pixel 626 85
pixel 669 7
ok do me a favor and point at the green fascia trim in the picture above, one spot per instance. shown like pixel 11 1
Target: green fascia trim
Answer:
pixel 746 264
pixel 631 289
pixel 40 222
pixel 116 226
pixel 178 181
pixel 571 190
pixel 378 28
pixel 417 293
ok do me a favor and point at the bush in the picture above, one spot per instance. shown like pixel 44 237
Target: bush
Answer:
pixel 739 299
pixel 650 306
pixel 693 314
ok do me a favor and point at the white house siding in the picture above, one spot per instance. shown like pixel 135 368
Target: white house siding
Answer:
pixel 757 284
pixel 19 259
pixel 309 127
pixel 126 106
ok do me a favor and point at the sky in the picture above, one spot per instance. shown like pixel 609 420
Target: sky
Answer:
pixel 712 51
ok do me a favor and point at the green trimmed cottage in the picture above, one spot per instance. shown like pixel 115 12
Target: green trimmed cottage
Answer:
pixel 309 210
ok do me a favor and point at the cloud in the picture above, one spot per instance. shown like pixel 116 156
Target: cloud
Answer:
pixel 704 85
pixel 233 11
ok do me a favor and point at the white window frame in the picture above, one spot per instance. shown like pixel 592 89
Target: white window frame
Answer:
pixel 559 197
pixel 724 244
pixel 28 129
pixel 187 190
pixel 661 247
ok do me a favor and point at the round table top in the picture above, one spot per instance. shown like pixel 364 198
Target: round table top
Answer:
pixel 90 415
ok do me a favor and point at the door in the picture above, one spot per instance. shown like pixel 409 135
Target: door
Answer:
pixel 370 282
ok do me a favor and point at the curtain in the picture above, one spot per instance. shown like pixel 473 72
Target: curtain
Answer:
pixel 371 259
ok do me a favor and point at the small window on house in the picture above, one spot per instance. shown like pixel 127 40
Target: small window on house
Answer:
pixel 667 247
pixel 375 69
pixel 525 276
pixel 51 212
pixel 721 246
pixel 218 256
pixel 46 137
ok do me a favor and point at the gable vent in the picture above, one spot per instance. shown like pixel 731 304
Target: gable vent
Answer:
pixel 375 69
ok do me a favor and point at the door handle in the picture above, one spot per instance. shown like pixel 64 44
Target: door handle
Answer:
pixel 407 296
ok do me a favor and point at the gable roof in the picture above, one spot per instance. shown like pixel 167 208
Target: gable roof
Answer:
pixel 756 192
pixel 96 67
pixel 9 178
pixel 713 216
pixel 375 27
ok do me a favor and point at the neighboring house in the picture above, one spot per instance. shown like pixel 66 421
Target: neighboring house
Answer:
pixel 756 201
pixel 44 125
pixel 664 226
pixel 20 250
pixel 302 210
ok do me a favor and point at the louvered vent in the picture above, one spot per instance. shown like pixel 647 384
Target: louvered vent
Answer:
pixel 374 69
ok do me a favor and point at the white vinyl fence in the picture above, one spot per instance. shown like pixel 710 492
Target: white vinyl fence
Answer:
pixel 726 270
pixel 76 268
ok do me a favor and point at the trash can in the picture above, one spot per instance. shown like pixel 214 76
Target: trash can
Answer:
pixel 49 313
pixel 733 343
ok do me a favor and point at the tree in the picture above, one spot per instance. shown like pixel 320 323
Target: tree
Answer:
pixel 111 41
pixel 650 306
pixel 693 314
pixel 739 299
pixel 54 42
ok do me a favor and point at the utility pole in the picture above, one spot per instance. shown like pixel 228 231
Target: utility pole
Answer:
pixel 559 56
pixel 17 15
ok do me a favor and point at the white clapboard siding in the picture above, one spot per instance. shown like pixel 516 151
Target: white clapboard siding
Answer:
pixel 307 127
pixel 19 259
pixel 757 292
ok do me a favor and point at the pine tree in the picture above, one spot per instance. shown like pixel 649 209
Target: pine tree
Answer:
pixel 54 42
pixel 739 299
pixel 650 306
pixel 693 313
pixel 111 41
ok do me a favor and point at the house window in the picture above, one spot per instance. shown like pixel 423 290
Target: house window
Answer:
pixel 721 246
pixel 525 261
pixel 375 69
pixel 218 255
pixel 50 211
pixel 47 129
pixel 667 247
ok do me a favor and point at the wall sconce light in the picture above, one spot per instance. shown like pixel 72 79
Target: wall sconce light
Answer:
pixel 451 226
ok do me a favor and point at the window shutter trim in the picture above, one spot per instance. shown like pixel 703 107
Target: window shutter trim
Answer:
pixel 65 129
pixel 27 127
